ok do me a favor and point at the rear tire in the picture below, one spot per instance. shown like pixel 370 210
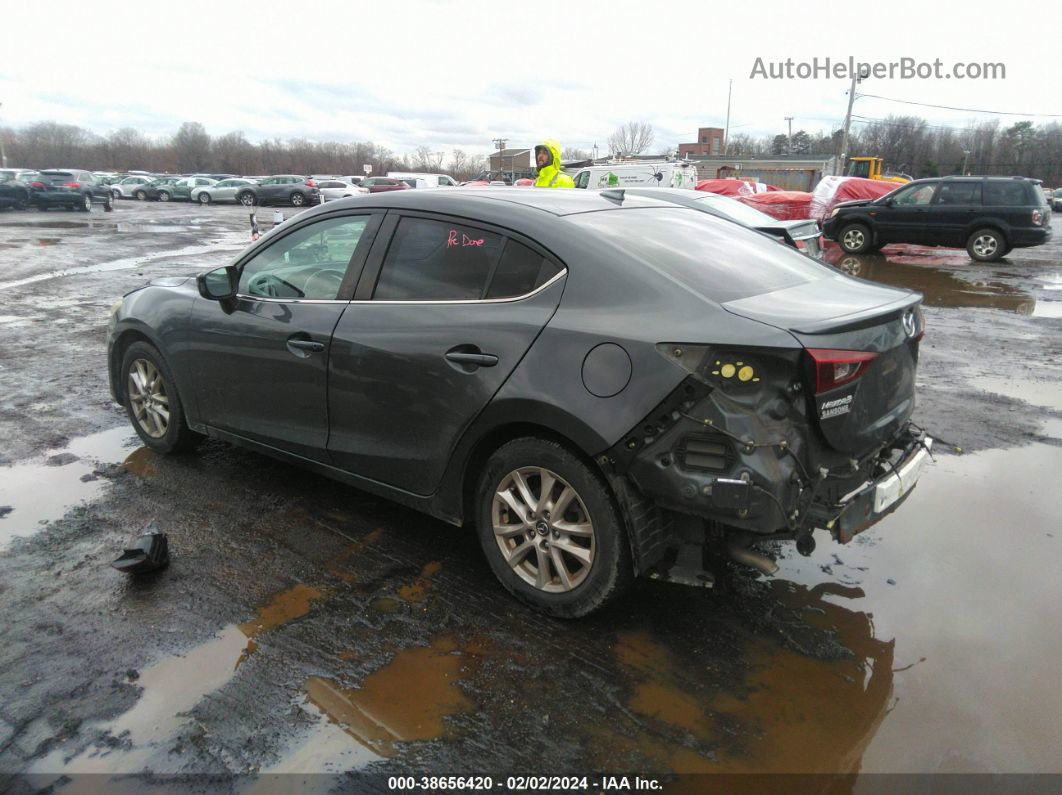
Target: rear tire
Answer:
pixel 140 196
pixel 568 564
pixel 297 199
pixel 986 245
pixel 108 204
pixel 151 401
pixel 247 199
pixel 164 196
pixel 855 239
pixel 86 203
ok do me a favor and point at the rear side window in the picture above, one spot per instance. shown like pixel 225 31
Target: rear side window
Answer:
pixel 435 261
pixel 713 256
pixel 519 272
pixel 1005 194
pixel 952 193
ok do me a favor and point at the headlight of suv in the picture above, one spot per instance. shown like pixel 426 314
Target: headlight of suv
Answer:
pixel 835 211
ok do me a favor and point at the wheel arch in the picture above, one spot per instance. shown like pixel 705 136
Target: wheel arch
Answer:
pixel 989 223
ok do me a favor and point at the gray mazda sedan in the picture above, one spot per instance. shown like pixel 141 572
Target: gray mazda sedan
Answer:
pixel 603 385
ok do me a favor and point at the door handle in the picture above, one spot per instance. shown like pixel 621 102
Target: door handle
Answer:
pixel 474 359
pixel 306 345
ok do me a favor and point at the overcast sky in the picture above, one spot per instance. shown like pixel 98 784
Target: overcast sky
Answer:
pixel 457 74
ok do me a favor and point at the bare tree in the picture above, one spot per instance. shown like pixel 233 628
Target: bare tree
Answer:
pixel 574 153
pixel 631 138
pixel 424 159
pixel 464 166
pixel 192 147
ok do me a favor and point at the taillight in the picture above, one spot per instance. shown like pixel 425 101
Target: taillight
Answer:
pixel 36 184
pixel 73 185
pixel 309 183
pixel 800 244
pixel 1037 217
pixel 836 368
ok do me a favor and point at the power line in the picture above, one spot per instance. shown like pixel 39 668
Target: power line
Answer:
pixel 967 110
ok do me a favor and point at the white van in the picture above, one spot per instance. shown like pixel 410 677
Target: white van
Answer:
pixel 676 174
pixel 424 180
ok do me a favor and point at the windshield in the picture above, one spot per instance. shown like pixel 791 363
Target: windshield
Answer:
pixel 712 256
pixel 742 213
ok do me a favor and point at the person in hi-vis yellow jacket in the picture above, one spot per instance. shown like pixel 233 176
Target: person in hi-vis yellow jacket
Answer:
pixel 547 158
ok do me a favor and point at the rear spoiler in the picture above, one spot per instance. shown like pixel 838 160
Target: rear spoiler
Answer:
pixel 862 319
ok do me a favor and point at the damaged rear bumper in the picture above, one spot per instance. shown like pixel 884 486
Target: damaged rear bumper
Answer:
pixel 898 472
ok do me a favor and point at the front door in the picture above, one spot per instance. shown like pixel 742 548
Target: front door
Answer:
pixel 261 363
pixel 908 218
pixel 454 309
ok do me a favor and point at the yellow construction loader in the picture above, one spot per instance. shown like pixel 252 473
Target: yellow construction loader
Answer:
pixel 871 168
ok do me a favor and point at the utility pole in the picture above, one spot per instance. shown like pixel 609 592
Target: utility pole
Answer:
pixel 726 132
pixel 789 139
pixel 965 155
pixel 500 143
pixel 856 77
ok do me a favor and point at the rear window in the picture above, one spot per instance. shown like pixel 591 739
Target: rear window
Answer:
pixel 952 193
pixel 435 261
pixel 56 175
pixel 1006 194
pixel 713 256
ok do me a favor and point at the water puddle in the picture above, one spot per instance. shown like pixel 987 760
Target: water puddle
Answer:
pixel 326 748
pixel 161 227
pixel 405 701
pixel 955 582
pixel 940 287
pixel 44 489
pixel 418 590
pixel 172 687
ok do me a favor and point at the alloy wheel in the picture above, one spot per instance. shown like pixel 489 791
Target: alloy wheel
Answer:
pixel 543 529
pixel 147 396
pixel 853 239
pixel 297 200
pixel 985 245
pixel 164 196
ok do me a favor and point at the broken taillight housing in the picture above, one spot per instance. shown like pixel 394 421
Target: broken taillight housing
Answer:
pixel 836 368
pixel 1037 217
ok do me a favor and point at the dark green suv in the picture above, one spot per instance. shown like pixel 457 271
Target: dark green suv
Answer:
pixel 988 216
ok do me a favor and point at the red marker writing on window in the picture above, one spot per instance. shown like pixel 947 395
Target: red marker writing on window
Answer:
pixel 451 240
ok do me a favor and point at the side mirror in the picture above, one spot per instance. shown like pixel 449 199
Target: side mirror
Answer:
pixel 889 202
pixel 219 284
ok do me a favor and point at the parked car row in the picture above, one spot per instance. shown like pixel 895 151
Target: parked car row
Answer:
pixel 74 189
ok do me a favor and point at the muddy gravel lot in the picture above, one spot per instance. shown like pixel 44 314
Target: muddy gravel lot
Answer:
pixel 305 627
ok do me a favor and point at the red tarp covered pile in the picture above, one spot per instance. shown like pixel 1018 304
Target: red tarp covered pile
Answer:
pixel 833 190
pixel 733 187
pixel 784 205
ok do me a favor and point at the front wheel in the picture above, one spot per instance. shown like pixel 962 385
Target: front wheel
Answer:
pixel 247 199
pixel 986 245
pixel 140 196
pixel 550 529
pixel 855 239
pixel 164 196
pixel 152 402
pixel 204 198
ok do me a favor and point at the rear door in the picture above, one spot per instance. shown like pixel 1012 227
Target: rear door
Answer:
pixel 957 203
pixel 261 363
pixel 445 310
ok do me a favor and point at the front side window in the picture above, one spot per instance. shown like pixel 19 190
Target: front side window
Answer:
pixel 309 263
pixel 916 195
pixel 437 261
pixel 582 179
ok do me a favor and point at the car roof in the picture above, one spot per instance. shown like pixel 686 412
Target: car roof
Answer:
pixel 558 202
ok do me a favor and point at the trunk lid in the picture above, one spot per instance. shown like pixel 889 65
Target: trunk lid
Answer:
pixel 841 313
